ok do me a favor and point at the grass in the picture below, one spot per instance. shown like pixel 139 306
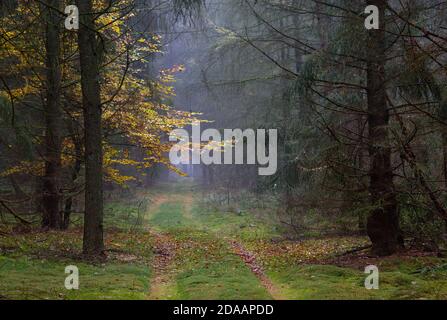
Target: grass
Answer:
pixel 322 282
pixel 169 217
pixel 225 279
pixel 30 278
pixel 207 269
pixel 32 265
pixel 204 265
pixel 295 266
pixel 243 226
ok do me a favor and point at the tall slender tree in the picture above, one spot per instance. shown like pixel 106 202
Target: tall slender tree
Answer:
pixel 51 198
pixel 90 53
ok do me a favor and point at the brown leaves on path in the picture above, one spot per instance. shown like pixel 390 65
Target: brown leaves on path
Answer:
pixel 250 260
pixel 275 255
pixel 164 250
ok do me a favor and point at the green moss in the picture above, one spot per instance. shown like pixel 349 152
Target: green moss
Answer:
pixel 242 226
pixel 224 280
pixel 332 282
pixel 169 216
pixel 209 270
pixel 28 278
pixel 205 266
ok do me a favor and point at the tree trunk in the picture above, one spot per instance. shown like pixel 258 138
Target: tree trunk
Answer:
pixel 444 160
pixel 74 175
pixel 444 153
pixel 362 167
pixel 383 221
pixel 89 50
pixel 53 118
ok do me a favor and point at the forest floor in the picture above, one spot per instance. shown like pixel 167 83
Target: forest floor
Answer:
pixel 177 248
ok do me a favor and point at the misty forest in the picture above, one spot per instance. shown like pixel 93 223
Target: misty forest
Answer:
pixel 88 188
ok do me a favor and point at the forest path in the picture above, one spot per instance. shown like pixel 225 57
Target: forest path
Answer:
pixel 163 286
pixel 194 258
pixel 250 260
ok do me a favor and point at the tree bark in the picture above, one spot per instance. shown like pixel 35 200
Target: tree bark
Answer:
pixel 383 221
pixel 362 167
pixel 53 118
pixel 75 170
pixel 444 153
pixel 444 160
pixel 89 50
